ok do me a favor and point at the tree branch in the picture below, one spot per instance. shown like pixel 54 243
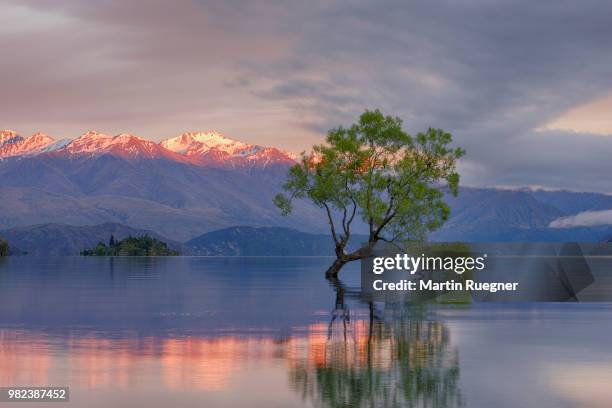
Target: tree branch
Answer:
pixel 352 217
pixel 344 226
pixel 389 214
pixel 382 225
pixel 331 223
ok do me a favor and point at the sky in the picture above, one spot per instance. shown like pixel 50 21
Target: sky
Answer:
pixel 525 87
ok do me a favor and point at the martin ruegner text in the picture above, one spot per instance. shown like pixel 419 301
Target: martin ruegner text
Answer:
pixel 451 285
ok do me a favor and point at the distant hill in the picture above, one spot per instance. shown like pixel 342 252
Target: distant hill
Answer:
pixel 263 241
pixel 59 239
pixel 495 215
pixel 570 202
pixel 505 207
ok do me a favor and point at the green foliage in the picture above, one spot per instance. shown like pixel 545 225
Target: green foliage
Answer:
pixel 374 170
pixel 3 247
pixel 131 246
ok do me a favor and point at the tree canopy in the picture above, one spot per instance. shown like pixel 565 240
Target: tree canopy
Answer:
pixel 376 172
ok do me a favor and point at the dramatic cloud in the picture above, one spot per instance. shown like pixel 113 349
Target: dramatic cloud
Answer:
pixel 495 74
pixel 584 219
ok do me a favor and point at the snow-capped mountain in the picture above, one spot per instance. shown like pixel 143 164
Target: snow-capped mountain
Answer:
pixel 18 146
pixel 58 144
pixel 213 148
pixel 200 148
pixel 123 145
pixel 9 136
pixel 197 143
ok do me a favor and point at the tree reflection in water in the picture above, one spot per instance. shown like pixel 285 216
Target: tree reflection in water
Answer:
pixel 401 360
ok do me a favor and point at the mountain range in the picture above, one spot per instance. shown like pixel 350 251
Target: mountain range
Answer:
pixel 199 182
pixel 208 148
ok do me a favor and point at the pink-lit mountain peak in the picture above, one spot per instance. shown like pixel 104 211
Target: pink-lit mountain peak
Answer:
pixel 197 143
pixel 213 148
pixel 9 136
pixel 18 146
pixel 95 142
pixel 8 133
pixel 208 148
pixel 89 142
pixel 125 145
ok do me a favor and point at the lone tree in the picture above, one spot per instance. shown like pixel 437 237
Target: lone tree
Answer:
pixel 375 171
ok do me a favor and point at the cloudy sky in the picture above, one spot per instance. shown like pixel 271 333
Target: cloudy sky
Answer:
pixel 525 87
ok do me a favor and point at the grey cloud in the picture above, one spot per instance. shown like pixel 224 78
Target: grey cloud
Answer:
pixel 513 63
pixel 491 73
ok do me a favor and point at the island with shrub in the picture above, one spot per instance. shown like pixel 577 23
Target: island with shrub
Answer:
pixel 3 247
pixel 131 246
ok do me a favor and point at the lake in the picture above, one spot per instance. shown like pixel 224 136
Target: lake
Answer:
pixel 272 332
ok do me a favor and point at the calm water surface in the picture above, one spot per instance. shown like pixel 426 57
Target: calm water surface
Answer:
pixel 272 332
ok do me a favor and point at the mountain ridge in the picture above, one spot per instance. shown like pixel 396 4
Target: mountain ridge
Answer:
pixel 203 148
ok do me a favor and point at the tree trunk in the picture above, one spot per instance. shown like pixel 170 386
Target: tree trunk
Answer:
pixel 332 271
pixel 343 258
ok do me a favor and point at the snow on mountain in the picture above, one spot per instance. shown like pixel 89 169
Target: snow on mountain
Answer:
pixel 209 148
pixel 9 136
pixel 32 145
pixel 89 142
pixel 274 155
pixel 213 148
pixel 193 143
pixel 123 145
pixel 56 145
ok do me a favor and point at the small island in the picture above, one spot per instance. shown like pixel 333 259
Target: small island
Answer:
pixel 3 247
pixel 131 246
